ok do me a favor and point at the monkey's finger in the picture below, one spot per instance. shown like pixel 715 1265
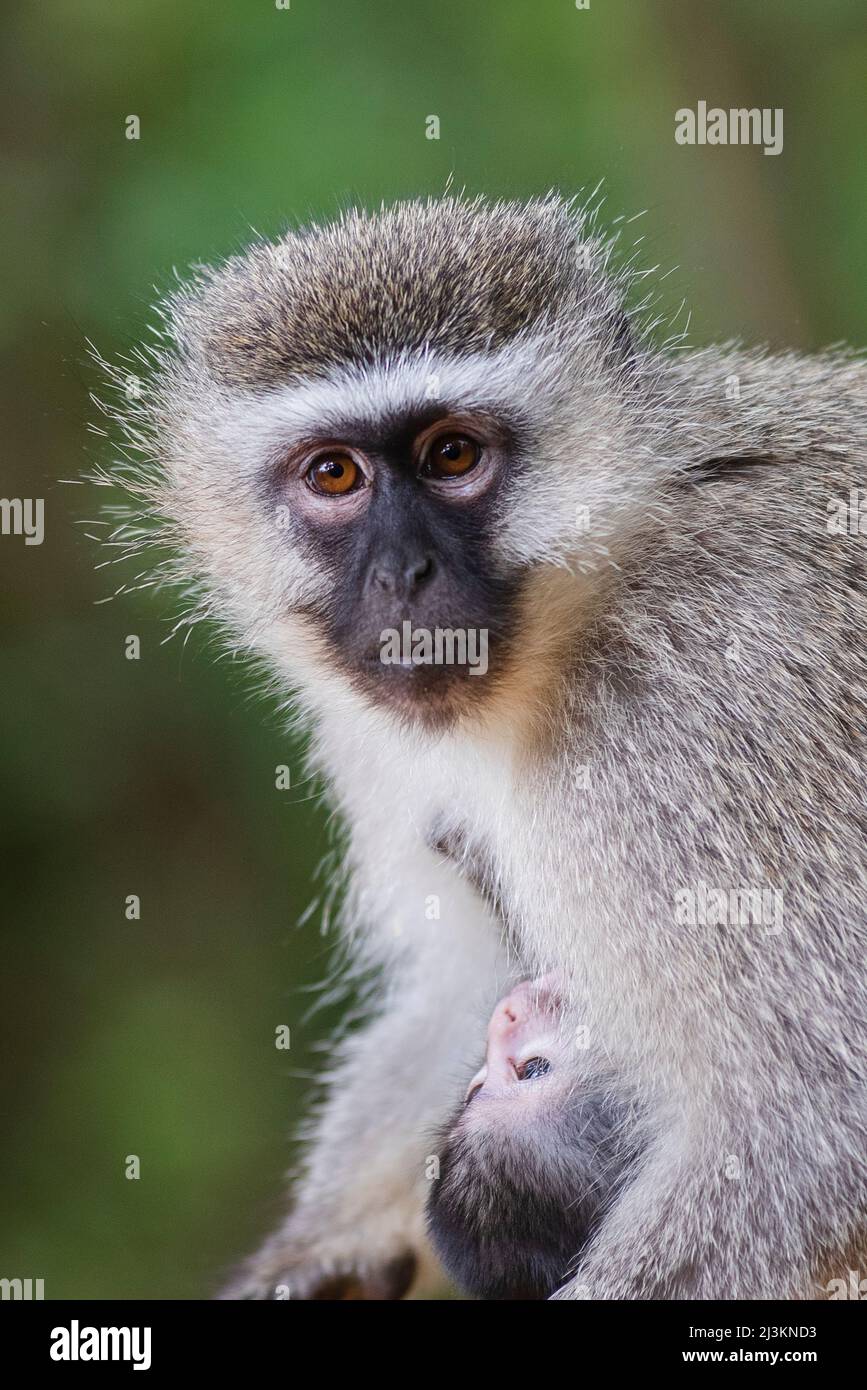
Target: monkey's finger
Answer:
pixel 387 1282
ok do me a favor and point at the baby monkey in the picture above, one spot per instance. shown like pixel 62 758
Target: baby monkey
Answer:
pixel 530 1159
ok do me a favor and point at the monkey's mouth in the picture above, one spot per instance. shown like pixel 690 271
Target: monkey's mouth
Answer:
pixel 431 667
pixel 409 649
pixel 418 687
pixel 418 675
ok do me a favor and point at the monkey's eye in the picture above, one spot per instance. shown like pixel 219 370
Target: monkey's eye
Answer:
pixel 334 473
pixel 449 456
pixel 534 1066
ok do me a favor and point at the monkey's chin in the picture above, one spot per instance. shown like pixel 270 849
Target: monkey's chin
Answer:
pixel 431 697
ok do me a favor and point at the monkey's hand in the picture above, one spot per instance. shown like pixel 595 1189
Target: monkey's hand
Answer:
pixel 357 1226
pixel 293 1266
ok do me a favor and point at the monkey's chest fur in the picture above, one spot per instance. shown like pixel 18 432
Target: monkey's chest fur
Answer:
pixel 474 860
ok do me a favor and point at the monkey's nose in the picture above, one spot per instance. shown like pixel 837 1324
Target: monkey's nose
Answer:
pixel 402 580
pixel 509 1015
pixel 527 1004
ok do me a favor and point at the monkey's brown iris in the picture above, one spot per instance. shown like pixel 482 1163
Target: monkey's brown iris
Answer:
pixel 334 474
pixel 450 455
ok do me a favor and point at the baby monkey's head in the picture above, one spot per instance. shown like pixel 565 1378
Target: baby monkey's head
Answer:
pixel 524 1160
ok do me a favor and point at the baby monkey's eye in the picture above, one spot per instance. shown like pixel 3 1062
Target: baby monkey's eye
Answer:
pixel 449 455
pixel 534 1066
pixel 334 473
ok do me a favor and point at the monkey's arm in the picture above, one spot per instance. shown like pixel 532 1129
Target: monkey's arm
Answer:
pixel 356 1229
pixel 695 1225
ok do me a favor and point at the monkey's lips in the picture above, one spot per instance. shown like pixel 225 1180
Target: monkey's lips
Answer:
pixel 433 694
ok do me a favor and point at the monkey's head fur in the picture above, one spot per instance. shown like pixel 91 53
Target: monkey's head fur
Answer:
pixel 429 419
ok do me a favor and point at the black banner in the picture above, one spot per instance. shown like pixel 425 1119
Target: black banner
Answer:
pixel 250 1338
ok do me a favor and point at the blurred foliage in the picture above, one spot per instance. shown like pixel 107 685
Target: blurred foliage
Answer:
pixel 157 777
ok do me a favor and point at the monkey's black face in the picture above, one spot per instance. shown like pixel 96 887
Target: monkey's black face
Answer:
pixel 416 607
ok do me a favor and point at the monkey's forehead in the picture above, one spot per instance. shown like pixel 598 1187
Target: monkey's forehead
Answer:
pixel 443 275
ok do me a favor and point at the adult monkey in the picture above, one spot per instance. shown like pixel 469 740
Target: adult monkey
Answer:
pixel 441 414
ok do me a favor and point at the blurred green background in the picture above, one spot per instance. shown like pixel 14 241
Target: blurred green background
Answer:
pixel 156 776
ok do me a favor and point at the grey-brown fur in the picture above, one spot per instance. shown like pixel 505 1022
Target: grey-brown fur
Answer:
pixel 698 650
pixel 447 275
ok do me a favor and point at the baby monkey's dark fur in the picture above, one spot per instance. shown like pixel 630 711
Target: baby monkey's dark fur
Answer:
pixel 514 1206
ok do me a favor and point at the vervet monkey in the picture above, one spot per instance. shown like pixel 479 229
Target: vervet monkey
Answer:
pixel 442 414
pixel 530 1160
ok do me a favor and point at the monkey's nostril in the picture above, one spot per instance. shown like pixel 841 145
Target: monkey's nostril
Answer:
pixel 419 573
pixel 381 579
